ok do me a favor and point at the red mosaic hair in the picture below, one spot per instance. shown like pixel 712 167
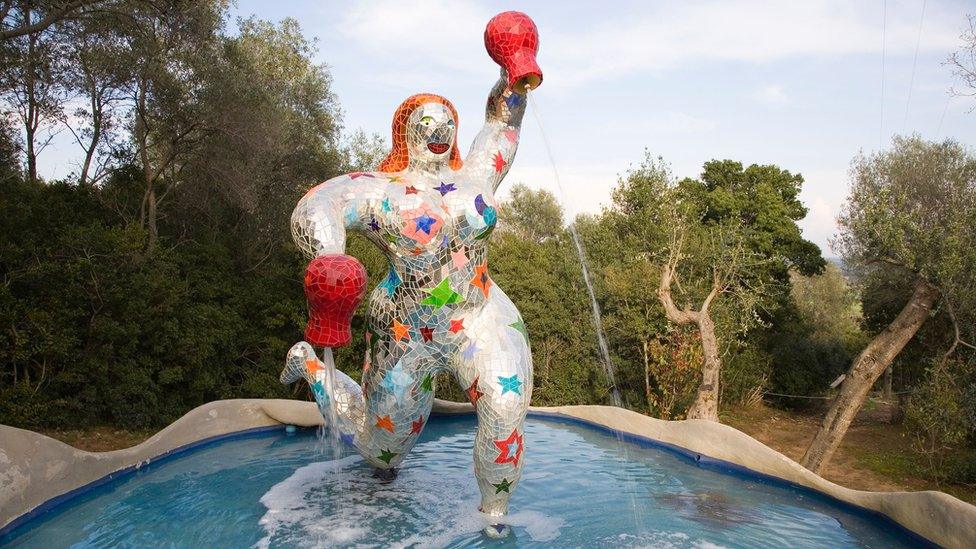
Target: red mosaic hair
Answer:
pixel 399 156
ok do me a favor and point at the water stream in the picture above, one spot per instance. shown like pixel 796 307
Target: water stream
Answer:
pixel 597 319
pixel 601 340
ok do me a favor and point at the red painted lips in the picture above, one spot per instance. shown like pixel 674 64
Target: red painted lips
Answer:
pixel 438 148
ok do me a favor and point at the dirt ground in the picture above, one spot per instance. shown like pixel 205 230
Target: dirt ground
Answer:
pixel 875 454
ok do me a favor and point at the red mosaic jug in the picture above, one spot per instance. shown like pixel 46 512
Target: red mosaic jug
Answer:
pixel 512 40
pixel 334 286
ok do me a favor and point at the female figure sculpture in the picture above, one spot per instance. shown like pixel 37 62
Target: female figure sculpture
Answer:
pixel 432 214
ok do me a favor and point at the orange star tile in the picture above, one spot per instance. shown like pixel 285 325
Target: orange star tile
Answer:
pixel 384 422
pixel 481 279
pixel 313 366
pixel 400 330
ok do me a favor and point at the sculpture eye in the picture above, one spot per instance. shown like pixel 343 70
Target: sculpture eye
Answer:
pixel 427 120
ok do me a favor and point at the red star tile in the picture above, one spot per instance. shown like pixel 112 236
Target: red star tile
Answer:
pixel 473 393
pixel 510 449
pixel 499 162
pixel 456 325
pixel 417 426
pixel 410 189
pixel 427 332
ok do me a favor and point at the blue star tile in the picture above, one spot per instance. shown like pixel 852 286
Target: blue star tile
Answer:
pixel 424 223
pixel 510 384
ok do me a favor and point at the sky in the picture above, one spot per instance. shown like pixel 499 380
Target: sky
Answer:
pixel 803 85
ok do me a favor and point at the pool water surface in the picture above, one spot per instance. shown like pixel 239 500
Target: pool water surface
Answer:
pixel 580 487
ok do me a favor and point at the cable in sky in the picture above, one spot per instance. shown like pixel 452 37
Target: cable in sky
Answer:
pixel 911 81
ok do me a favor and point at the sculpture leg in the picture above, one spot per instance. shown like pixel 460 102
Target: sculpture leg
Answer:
pixel 495 369
pixel 399 393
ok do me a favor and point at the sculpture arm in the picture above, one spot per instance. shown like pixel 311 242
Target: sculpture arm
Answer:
pixel 322 216
pixel 493 150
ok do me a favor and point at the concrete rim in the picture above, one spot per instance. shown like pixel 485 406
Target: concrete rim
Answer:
pixel 38 473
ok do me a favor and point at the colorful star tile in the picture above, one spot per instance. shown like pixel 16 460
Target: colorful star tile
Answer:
pixel 313 366
pixel 503 486
pixel 384 422
pixel 510 384
pixel 410 189
pixel 428 383
pixel 469 351
pixel 445 188
pixel 473 393
pixel 421 224
pixel 459 258
pixel 397 380
pixel 511 134
pixel 386 456
pixel 425 223
pixel 456 325
pixel 416 426
pixel 513 100
pixel 373 224
pixel 400 331
pixel 520 327
pixel 427 332
pixel 481 278
pixel 509 449
pixel 499 162
pixel 391 282
pixel 442 295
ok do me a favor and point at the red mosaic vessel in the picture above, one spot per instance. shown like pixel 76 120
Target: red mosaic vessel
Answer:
pixel 512 40
pixel 334 286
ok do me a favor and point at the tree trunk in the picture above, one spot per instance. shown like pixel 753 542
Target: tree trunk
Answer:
pixel 706 402
pixel 864 372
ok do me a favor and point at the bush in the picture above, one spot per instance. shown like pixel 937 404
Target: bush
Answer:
pixel 941 415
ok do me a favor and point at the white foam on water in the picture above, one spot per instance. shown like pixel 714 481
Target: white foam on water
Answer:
pixel 658 540
pixel 418 509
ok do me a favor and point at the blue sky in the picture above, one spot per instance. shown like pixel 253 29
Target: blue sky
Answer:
pixel 797 84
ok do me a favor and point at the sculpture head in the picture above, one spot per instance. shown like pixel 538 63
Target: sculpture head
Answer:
pixel 424 134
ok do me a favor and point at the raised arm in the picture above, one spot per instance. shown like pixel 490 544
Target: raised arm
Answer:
pixel 322 216
pixel 493 150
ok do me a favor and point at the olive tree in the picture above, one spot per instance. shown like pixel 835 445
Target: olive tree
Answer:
pixel 911 211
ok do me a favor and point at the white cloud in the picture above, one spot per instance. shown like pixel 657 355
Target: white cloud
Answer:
pixel 774 95
pixel 646 38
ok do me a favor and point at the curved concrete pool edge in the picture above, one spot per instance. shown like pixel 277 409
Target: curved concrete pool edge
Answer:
pixel 35 469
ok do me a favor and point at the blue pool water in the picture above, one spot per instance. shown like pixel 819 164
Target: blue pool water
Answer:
pixel 581 487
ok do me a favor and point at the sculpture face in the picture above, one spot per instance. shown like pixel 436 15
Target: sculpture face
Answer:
pixel 430 133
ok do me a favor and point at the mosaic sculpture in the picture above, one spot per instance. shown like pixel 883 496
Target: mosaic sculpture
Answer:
pixel 437 310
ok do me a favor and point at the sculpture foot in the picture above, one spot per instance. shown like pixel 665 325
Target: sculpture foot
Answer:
pixel 497 531
pixel 385 475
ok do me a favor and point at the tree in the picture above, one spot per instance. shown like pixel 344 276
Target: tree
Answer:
pixel 31 75
pixel 910 212
pixel 49 13
pixel 702 256
pixel 963 61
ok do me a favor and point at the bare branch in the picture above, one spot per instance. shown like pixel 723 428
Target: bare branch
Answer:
pixel 51 18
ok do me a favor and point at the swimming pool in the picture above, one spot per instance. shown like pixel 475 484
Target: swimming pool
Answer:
pixel 581 487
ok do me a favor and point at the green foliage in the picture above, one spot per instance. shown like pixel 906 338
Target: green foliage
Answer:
pixel 814 337
pixel 941 415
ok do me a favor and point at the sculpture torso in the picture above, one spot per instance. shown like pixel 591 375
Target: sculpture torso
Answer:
pixel 434 228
